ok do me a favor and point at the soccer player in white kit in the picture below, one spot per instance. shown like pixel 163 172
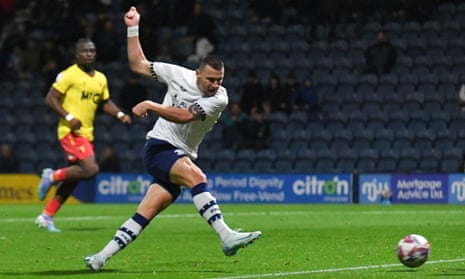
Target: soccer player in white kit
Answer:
pixel 193 103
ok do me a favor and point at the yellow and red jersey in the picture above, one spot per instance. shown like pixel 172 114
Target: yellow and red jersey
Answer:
pixel 82 94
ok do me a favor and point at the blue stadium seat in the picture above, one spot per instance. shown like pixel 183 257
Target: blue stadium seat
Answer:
pixel 418 120
pixel 424 139
pixel 366 166
pixel 451 166
pixel 408 162
pixel 403 139
pixel 320 140
pixel 445 139
pixel 431 29
pixel 341 139
pixel 407 83
pixel 367 84
pixel 362 139
pixel 376 120
pixel 383 139
pixel 455 46
pixel 264 161
pixel 388 159
pixel 413 101
pixel 392 29
pixel 415 46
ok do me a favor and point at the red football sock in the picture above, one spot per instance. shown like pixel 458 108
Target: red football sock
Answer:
pixel 52 207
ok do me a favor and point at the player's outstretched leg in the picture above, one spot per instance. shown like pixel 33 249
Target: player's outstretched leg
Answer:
pixel 45 183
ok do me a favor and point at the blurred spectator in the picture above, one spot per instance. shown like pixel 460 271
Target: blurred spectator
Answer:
pixel 266 11
pixel 253 94
pixel 258 131
pixel 291 85
pixel 8 161
pixel 109 160
pixel 29 63
pixel 200 34
pixel 277 98
pixel 132 93
pixel 107 40
pixel 234 126
pixel 306 98
pixel 380 57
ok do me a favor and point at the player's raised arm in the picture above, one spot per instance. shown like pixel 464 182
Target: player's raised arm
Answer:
pixel 137 60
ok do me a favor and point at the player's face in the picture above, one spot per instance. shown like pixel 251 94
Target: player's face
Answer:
pixel 86 53
pixel 209 80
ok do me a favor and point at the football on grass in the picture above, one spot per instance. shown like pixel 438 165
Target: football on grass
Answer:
pixel 413 250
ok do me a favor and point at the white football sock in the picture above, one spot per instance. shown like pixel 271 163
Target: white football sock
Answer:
pixel 207 207
pixel 128 231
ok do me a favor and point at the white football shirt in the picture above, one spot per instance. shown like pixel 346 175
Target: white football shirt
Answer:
pixel 182 92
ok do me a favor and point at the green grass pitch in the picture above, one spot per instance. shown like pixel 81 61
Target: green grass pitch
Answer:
pixel 298 241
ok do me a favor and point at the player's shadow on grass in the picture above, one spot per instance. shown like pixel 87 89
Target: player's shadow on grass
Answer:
pixel 87 229
pixel 451 272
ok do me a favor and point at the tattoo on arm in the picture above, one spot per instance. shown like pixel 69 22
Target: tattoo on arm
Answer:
pixel 196 111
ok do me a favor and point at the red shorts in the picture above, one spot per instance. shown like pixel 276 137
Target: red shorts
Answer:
pixel 76 147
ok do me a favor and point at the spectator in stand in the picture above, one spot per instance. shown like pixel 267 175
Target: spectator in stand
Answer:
pixel 258 131
pixel 277 98
pixel 266 11
pixel 8 161
pixel 380 57
pixel 306 98
pixel 132 93
pixel 200 34
pixel 109 160
pixel 253 94
pixel 234 127
pixel 29 63
pixel 291 85
pixel 106 38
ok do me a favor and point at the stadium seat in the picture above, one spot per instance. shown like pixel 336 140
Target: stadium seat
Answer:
pixel 451 166
pixel 431 29
pixel 415 46
pixel 357 120
pixel 403 139
pixel 320 139
pixel 383 139
pixel 392 29
pixel 455 46
pixel 362 139
pixel 336 120
pixel 372 102
pixel 409 158
pixel 388 159
pixel 445 139
pixel 424 139
pixel 413 101
pixel 367 84
pixel 284 161
pixel 341 139
pixel 366 166
pixel 418 120
pixel 376 120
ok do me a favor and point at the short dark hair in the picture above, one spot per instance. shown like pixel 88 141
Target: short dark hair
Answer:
pixel 213 61
pixel 80 42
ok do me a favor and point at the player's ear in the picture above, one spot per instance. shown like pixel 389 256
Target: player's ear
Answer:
pixel 197 73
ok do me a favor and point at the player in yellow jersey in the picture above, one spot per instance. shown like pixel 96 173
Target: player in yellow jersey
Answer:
pixel 75 95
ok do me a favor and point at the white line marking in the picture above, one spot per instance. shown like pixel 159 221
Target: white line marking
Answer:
pixel 261 213
pixel 330 270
